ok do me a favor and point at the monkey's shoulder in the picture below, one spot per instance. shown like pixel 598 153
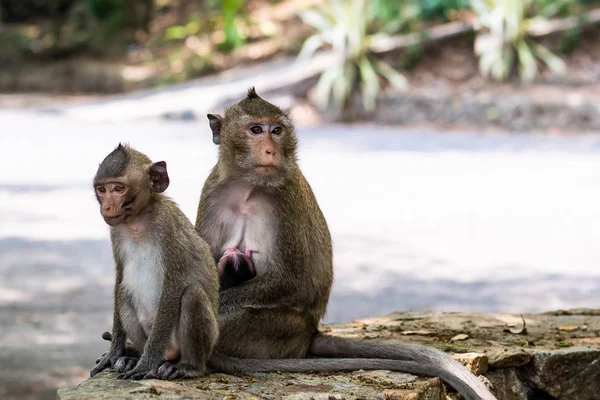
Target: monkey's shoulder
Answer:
pixel 173 223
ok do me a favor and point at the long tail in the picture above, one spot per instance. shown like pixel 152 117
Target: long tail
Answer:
pixel 349 355
pixel 427 361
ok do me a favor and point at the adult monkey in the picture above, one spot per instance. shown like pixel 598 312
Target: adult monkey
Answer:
pixel 260 216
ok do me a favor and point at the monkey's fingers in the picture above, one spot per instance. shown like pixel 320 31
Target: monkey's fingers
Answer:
pixel 135 374
pixel 101 357
pixel 169 372
pixel 102 365
pixel 125 364
pixel 151 375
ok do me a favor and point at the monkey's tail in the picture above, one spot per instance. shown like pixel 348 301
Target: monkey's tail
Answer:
pixel 340 354
pixel 421 360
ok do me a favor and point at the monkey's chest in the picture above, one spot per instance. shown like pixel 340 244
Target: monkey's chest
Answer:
pixel 247 227
pixel 143 276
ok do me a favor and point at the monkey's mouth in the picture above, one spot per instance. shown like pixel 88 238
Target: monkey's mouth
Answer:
pixel 112 221
pixel 266 169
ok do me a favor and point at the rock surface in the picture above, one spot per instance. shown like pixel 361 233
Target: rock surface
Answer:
pixel 553 355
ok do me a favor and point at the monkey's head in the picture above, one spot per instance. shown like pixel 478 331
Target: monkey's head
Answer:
pixel 125 182
pixel 256 141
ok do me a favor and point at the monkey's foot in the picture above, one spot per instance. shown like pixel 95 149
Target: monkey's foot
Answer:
pixel 101 357
pixel 108 361
pixel 169 371
pixel 144 369
pixel 138 373
pixel 125 364
pixel 129 351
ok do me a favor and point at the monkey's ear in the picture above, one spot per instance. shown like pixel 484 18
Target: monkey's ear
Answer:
pixel 159 176
pixel 215 121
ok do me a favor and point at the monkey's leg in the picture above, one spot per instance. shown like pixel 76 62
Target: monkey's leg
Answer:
pixel 135 335
pixel 268 333
pixel 196 334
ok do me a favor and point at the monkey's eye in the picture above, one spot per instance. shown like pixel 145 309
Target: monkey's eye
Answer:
pixel 101 189
pixel 256 129
pixel 277 130
pixel 119 189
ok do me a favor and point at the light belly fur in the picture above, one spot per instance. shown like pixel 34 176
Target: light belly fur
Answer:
pixel 143 279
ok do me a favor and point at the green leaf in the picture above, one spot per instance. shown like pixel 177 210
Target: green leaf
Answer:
pixel 193 27
pixel 487 61
pixel 176 32
pixel 316 19
pixel 554 63
pixel 369 84
pixel 395 78
pixel 310 46
pixel 506 58
pixel 325 85
pixel 527 63
pixel 344 83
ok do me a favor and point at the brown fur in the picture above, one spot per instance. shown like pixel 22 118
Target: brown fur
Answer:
pixel 275 316
pixel 151 237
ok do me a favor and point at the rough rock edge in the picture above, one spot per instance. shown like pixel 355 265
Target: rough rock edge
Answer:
pixel 556 356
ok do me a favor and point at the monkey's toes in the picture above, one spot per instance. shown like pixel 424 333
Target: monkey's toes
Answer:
pixel 102 365
pixel 125 364
pixel 169 372
pixel 134 375
pixel 101 357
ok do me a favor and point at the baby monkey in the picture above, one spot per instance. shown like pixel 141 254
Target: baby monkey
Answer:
pixel 235 267
pixel 166 298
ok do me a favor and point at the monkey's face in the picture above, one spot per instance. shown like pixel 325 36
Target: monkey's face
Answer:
pixel 256 141
pixel 125 183
pixel 265 146
pixel 261 150
pixel 117 202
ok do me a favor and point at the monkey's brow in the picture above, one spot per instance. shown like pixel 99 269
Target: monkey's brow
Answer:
pixel 265 120
pixel 109 182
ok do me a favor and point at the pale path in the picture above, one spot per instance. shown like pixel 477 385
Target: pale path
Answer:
pixel 420 220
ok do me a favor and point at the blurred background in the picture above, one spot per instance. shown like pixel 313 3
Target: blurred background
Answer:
pixel 452 144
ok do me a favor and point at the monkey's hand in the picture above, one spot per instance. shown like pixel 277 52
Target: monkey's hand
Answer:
pixel 125 364
pixel 108 361
pixel 130 352
pixel 144 369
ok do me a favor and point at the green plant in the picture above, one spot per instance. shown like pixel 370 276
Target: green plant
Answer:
pixel 233 12
pixel 503 38
pixel 350 27
pixel 432 9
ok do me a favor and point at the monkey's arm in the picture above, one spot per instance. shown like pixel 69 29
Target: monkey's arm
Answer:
pixel 287 281
pixel 118 342
pixel 264 291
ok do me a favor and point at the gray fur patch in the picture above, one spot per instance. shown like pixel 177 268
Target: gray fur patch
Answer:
pixel 114 164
